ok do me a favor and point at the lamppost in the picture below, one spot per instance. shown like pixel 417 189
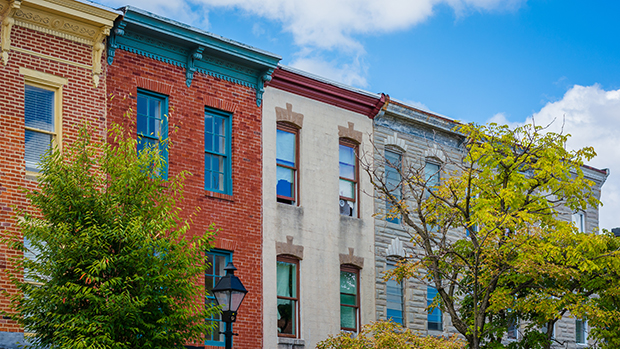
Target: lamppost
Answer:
pixel 229 293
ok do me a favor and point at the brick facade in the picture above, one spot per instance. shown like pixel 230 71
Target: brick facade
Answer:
pixel 238 215
pixel 65 58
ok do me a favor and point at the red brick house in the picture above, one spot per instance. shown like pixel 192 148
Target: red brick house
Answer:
pixel 52 78
pixel 204 92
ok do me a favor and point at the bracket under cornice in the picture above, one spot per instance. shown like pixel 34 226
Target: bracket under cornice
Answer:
pixel 119 30
pixel 193 56
pixel 8 21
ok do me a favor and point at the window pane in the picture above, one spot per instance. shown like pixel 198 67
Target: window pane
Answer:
pixel 154 109
pixel 347 155
pixel 287 283
pixel 348 317
pixel 36 145
pixel 286 316
pixel 39 108
pixel 348 282
pixel 431 172
pixel 347 189
pixel 348 299
pixel 142 102
pixel 394 292
pixel 285 178
pixel 434 317
pixel 285 148
pixel 218 126
pixel 142 124
pixel 347 171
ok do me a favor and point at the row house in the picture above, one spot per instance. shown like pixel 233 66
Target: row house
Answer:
pixel 318 235
pixel 407 134
pixel 52 79
pixel 204 93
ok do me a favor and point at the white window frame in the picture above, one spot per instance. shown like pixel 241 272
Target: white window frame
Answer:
pixel 579 220
pixel 52 83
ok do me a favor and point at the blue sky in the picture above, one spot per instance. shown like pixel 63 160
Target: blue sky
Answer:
pixel 471 60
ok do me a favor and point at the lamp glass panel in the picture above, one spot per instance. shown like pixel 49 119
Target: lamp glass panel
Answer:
pixel 223 299
pixel 236 299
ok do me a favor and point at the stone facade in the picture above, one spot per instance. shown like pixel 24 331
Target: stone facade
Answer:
pixel 311 229
pixel 418 135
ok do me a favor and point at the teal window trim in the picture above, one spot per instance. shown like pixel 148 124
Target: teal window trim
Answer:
pixel 214 151
pixel 162 136
pixel 212 275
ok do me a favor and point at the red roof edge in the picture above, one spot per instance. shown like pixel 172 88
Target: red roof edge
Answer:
pixel 603 171
pixel 327 93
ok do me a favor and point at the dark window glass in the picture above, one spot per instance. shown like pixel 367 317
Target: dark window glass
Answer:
pixel 434 317
pixel 152 125
pixel 287 283
pixel 215 271
pixel 394 293
pixel 349 298
pixel 348 178
pixel 217 152
pixel 392 181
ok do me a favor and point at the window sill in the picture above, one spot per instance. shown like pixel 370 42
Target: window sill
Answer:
pixel 221 196
pixel 291 342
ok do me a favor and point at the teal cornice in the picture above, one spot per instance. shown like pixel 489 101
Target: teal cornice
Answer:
pixel 195 50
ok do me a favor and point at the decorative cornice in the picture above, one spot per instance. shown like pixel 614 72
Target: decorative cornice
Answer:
pixel 303 84
pixel 288 115
pixel 351 259
pixel 174 43
pixel 68 19
pixel 288 248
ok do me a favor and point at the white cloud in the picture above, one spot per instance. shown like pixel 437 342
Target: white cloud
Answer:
pixel 500 119
pixel 591 116
pixel 332 24
pixel 348 73
pixel 318 26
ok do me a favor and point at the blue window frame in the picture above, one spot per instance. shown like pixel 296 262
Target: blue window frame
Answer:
pixel 152 125
pixel 393 167
pixel 434 317
pixel 217 261
pixel 218 170
pixel 394 295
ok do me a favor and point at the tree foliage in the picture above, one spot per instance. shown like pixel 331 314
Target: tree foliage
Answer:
pixel 388 335
pixel 111 264
pixel 491 237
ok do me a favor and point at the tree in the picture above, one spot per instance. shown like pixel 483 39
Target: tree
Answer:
pixel 482 233
pixel 388 335
pixel 112 265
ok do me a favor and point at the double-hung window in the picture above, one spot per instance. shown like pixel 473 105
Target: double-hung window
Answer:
pixel 217 262
pixel 349 298
pixel 393 168
pixel 152 126
pixel 434 316
pixel 288 296
pixel 394 295
pixel 286 162
pixel 42 115
pixel 348 167
pixel 581 331
pixel 512 331
pixel 40 124
pixel 218 167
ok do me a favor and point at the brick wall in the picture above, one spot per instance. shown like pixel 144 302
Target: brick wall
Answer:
pixel 81 102
pixel 239 215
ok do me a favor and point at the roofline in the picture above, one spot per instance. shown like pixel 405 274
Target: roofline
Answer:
pixel 326 91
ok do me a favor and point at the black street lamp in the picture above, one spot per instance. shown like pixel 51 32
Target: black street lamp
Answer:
pixel 229 293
